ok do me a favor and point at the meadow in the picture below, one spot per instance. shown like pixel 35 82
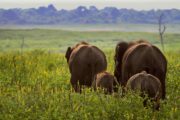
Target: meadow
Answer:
pixel 34 77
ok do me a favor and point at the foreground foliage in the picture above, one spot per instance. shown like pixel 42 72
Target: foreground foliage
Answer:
pixel 35 85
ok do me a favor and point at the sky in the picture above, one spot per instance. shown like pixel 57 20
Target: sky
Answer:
pixel 71 4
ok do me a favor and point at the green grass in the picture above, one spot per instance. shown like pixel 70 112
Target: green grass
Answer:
pixel 170 28
pixel 34 84
pixel 58 40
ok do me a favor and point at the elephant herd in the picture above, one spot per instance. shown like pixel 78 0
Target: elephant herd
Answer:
pixel 139 65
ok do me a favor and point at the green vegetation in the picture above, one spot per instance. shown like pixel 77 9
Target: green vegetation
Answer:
pixel 58 40
pixel 34 84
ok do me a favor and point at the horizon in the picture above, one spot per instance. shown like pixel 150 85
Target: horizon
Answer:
pixel 73 4
pixel 88 7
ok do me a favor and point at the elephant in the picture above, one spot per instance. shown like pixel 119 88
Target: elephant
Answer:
pixel 146 84
pixel 85 61
pixel 134 57
pixel 120 49
pixel 104 80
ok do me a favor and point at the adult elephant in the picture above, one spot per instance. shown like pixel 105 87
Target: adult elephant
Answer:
pixel 85 61
pixel 134 57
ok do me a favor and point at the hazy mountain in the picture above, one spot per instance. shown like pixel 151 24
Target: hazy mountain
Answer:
pixel 83 15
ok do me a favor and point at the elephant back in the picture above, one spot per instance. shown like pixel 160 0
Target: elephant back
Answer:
pixel 85 62
pixel 145 57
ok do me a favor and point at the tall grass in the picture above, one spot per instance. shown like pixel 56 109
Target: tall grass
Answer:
pixel 35 85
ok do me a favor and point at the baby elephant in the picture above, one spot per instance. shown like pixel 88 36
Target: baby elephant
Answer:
pixel 148 84
pixel 104 80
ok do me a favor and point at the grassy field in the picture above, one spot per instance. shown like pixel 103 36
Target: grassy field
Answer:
pixel 58 40
pixel 34 80
pixel 170 28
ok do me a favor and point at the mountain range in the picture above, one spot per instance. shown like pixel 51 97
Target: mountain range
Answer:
pixel 82 15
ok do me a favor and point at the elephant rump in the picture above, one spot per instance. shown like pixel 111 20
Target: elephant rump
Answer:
pixel 146 84
pixel 85 61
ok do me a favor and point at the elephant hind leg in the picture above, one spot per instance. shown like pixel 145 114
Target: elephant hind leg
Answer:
pixel 74 83
pixel 145 102
pixel 110 90
pixel 163 89
pixel 162 77
pixel 156 104
pixel 163 85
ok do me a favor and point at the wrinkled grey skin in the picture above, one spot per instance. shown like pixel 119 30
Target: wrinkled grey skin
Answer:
pixel 146 84
pixel 85 61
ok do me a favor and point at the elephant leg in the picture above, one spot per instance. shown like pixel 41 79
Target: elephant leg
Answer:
pixel 145 102
pixel 161 77
pixel 156 104
pixel 163 83
pixel 80 89
pixel 126 74
pixel 123 87
pixel 110 90
pixel 123 83
pixel 94 86
pixel 163 89
pixel 74 83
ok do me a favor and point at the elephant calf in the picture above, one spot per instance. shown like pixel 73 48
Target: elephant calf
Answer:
pixel 148 84
pixel 104 80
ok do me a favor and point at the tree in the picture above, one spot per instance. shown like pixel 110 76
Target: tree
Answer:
pixel 162 29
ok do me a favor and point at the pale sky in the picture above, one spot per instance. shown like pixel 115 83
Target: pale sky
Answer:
pixel 71 4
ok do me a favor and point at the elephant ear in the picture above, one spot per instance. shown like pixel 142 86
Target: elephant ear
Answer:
pixel 68 53
pixel 121 48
